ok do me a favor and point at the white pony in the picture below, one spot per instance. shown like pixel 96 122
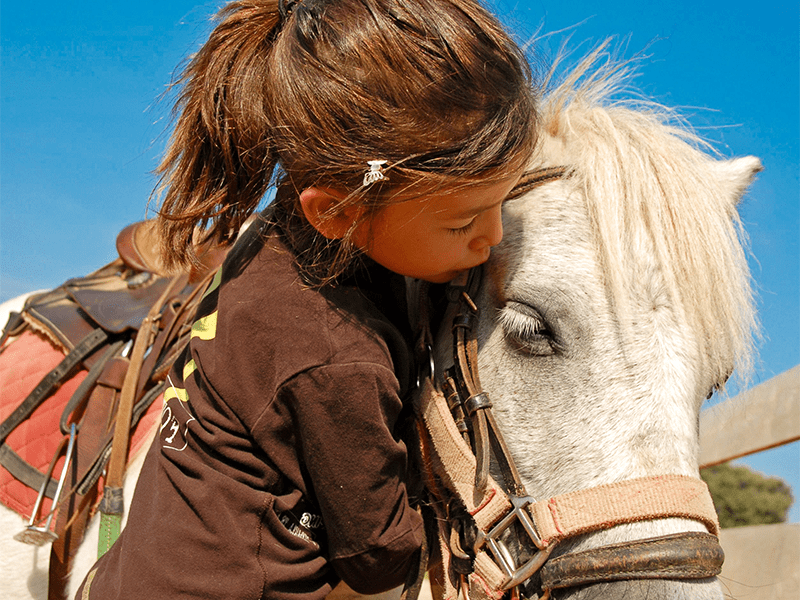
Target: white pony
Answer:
pixel 617 301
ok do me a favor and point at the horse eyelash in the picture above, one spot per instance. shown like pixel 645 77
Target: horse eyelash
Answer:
pixel 524 328
pixel 516 324
pixel 520 325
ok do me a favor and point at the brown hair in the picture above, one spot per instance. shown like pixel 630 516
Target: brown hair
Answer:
pixel 434 87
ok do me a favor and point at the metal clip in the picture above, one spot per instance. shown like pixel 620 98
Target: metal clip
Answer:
pixel 126 349
pixel 431 366
pixel 39 536
pixel 502 555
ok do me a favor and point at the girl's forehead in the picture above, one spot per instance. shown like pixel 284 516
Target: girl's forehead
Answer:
pixel 461 201
pixel 426 190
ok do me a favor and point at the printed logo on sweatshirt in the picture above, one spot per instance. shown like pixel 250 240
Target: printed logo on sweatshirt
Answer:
pixel 175 415
pixel 304 527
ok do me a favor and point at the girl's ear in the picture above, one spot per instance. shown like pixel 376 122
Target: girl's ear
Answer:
pixel 317 204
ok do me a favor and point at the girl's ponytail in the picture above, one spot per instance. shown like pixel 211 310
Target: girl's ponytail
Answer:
pixel 221 158
pixel 434 88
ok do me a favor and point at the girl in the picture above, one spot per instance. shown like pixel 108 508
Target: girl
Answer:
pixel 392 130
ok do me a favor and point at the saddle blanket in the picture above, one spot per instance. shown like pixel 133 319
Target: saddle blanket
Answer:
pixel 23 364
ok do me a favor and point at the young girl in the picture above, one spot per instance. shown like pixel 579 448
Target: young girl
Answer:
pixel 392 130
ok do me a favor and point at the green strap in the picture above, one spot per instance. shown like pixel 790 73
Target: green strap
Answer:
pixel 111 508
pixel 110 528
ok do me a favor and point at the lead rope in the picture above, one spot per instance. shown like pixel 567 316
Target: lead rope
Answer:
pixel 417 300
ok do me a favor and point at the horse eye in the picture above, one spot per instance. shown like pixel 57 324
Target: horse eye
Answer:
pixel 526 329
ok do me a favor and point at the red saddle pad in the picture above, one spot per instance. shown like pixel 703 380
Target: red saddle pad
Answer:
pixel 23 364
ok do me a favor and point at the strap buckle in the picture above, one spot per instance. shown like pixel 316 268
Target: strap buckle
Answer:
pixel 516 574
pixel 426 368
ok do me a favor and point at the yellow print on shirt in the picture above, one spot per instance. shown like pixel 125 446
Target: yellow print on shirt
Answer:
pixel 176 413
pixel 206 327
pixel 214 282
pixel 189 368
pixel 175 416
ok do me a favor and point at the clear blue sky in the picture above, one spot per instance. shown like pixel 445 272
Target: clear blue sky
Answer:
pixel 81 127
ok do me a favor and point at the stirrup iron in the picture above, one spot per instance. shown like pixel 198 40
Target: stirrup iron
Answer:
pixel 41 535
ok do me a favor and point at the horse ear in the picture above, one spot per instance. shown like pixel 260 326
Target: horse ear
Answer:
pixel 736 175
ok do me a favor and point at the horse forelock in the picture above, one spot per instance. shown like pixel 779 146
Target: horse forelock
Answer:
pixel 643 173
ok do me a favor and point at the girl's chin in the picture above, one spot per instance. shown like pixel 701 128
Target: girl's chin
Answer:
pixel 442 277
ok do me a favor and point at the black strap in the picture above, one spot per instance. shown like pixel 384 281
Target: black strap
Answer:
pixel 25 472
pixel 416 577
pixel 51 381
pixel 486 436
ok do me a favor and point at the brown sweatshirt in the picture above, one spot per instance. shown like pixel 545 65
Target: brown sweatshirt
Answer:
pixel 279 467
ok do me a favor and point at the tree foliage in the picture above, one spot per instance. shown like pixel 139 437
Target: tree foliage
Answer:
pixel 745 497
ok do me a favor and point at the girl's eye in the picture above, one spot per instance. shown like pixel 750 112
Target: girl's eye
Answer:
pixel 463 230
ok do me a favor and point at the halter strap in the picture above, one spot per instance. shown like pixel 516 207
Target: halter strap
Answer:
pixel 535 178
pixel 689 555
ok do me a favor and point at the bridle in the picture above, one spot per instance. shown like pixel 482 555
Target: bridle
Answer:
pixel 478 519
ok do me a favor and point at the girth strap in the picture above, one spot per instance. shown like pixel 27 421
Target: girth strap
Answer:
pixel 81 393
pixel 112 505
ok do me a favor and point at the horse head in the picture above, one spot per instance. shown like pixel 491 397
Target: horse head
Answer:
pixel 618 300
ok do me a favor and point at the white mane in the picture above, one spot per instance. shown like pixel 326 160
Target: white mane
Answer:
pixel 642 173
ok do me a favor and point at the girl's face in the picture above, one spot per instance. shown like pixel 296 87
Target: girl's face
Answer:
pixel 435 237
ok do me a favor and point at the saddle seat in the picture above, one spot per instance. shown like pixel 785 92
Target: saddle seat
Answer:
pixel 138 247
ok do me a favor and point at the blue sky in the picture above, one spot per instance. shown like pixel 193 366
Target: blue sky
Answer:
pixel 82 127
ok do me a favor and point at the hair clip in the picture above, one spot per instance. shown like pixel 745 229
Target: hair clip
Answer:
pixel 375 172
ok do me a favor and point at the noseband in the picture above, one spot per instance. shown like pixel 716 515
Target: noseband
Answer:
pixel 480 522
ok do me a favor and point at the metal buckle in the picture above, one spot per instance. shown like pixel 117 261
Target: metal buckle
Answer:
pixel 421 376
pixel 502 555
pixel 39 536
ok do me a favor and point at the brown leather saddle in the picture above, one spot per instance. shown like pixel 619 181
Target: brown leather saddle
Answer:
pixel 121 328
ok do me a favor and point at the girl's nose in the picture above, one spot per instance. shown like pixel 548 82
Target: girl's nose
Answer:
pixel 491 230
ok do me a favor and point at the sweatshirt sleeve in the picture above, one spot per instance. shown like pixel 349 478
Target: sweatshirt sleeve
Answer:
pixel 345 415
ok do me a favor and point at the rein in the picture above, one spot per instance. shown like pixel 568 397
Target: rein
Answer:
pixel 479 522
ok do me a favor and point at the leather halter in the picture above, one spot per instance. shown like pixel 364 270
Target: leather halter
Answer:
pixel 679 556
